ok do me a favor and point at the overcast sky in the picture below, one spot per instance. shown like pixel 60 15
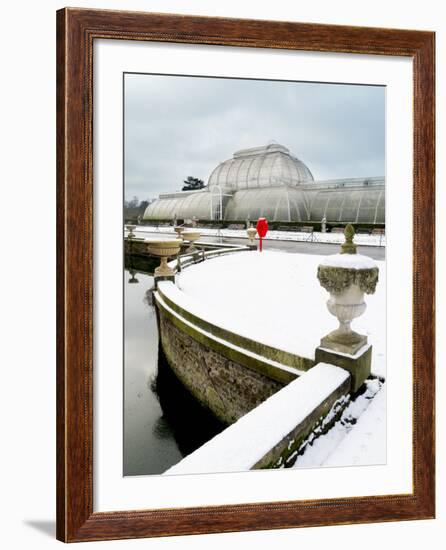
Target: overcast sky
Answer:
pixel 184 126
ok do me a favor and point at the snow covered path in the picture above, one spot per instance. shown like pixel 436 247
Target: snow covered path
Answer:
pixel 366 442
pixel 275 298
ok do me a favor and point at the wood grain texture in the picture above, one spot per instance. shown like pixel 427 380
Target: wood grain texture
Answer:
pixel 76 31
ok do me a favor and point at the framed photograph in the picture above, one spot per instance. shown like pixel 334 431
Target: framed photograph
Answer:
pixel 245 275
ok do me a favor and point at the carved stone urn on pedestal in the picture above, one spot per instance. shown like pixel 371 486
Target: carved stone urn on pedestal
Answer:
pixel 190 237
pixel 347 277
pixel 164 249
pixel 130 229
pixel 252 232
pixel 178 230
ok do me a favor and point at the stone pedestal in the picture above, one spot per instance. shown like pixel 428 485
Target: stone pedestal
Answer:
pixel 358 365
pixel 158 278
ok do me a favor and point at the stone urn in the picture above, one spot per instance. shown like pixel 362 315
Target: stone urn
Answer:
pixel 130 229
pixel 179 230
pixel 324 225
pixel 164 249
pixel 252 232
pixel 190 237
pixel 347 277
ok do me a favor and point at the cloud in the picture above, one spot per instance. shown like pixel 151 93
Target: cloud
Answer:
pixel 184 126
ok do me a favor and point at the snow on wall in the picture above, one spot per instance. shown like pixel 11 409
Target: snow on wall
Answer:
pixel 349 261
pixel 243 444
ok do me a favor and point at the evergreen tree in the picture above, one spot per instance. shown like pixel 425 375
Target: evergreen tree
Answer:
pixel 192 184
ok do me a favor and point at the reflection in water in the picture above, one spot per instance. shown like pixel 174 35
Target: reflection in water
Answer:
pixel 145 452
pixel 162 421
pixel 133 278
pixel 161 428
pixel 190 423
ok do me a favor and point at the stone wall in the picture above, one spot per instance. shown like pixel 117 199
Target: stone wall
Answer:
pixel 225 387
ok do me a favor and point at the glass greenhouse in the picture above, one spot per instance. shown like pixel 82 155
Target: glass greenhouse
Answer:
pixel 270 182
pixel 182 205
pixel 361 203
pixel 280 203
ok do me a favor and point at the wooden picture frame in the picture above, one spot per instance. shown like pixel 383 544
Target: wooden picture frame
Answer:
pixel 76 31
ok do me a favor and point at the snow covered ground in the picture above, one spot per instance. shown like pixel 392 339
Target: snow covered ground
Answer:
pixel 365 442
pixel 364 240
pixel 358 438
pixel 275 298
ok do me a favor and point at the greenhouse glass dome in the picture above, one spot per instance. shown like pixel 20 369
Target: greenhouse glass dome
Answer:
pixel 270 182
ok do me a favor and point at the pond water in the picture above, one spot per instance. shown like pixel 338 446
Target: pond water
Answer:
pixel 162 421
